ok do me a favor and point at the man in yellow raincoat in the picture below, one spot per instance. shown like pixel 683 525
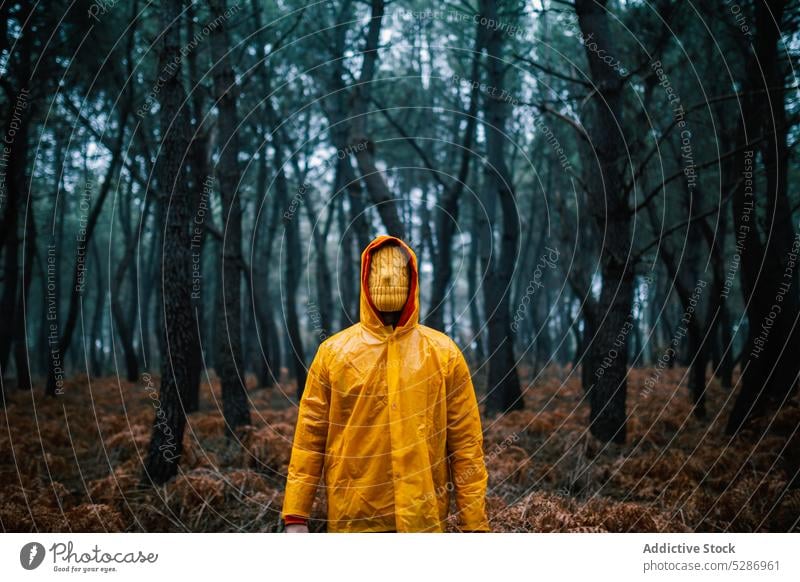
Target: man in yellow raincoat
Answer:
pixel 390 413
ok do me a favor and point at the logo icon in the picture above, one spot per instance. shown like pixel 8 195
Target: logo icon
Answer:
pixel 31 555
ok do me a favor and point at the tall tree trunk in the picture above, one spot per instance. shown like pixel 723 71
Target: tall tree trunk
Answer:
pixel 588 366
pixel 607 393
pixel 349 288
pixel 175 206
pixel 21 355
pixel 17 163
pixel 17 86
pixel 93 351
pixel 125 323
pixel 201 193
pixel 292 275
pixel 291 220
pixel 503 387
pixel 146 316
pixel 263 304
pixel 229 313
pixel 725 365
pixel 292 272
pixel 322 316
pixel 473 264
pixel 770 365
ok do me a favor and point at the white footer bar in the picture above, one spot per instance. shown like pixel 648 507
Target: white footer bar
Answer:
pixel 415 558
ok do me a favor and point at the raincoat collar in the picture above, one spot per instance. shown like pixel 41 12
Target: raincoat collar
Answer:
pixel 369 315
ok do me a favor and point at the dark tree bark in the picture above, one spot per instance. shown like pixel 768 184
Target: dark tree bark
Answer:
pixel 473 264
pixel 770 365
pixel 125 322
pixel 503 388
pixel 21 355
pixel 229 312
pixel 16 81
pixel 609 208
pixel 17 162
pixel 92 350
pixel 725 365
pixel 151 269
pixel 175 206
pixel 199 145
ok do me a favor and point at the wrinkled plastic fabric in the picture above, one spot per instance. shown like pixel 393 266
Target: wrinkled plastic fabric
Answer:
pixel 391 415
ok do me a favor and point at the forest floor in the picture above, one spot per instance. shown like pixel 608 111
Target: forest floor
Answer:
pixel 74 464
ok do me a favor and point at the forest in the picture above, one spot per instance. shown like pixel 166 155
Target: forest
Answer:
pixel 601 195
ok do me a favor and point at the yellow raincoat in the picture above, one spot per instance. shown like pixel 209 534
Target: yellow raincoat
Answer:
pixel 392 417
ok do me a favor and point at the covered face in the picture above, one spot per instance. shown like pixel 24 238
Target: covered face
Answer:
pixel 388 278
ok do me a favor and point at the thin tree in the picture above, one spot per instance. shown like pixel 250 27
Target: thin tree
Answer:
pixel 175 206
pixel 503 387
pixel 229 309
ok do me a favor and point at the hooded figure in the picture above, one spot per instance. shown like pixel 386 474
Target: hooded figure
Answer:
pixel 389 411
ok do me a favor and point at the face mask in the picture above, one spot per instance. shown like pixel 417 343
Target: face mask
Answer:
pixel 388 278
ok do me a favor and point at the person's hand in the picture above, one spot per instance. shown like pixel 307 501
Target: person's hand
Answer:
pixel 297 528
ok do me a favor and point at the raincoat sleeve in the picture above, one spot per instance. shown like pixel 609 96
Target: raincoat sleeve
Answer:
pixel 310 436
pixel 465 448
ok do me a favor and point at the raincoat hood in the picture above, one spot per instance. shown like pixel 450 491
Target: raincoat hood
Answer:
pixel 370 317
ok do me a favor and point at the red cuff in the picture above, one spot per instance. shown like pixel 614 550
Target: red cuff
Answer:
pixel 294 519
